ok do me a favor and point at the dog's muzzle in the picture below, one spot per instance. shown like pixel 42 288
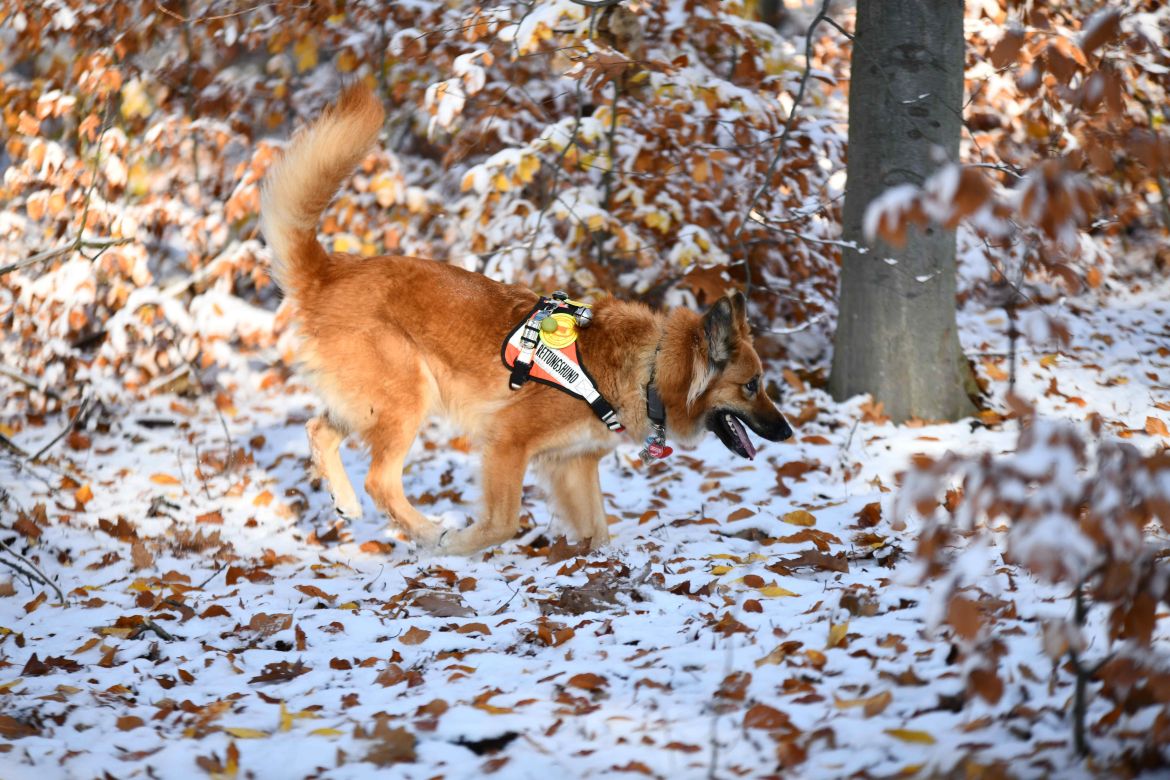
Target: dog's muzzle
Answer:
pixel 729 427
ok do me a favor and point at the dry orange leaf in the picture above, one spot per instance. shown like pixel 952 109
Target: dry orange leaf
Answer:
pixel 415 636
pixel 84 494
pixel 164 479
pixel 963 616
pixel 800 517
pixel 872 705
pixel 587 680
pixel 911 735
pixel 315 592
pixel 761 716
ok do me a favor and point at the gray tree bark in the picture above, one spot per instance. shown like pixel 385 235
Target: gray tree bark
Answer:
pixel 896 333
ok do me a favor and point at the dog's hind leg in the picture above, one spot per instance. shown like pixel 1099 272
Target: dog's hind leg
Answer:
pixel 575 490
pixel 389 443
pixel 325 445
pixel 504 464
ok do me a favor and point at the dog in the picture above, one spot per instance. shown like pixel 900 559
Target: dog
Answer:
pixel 386 341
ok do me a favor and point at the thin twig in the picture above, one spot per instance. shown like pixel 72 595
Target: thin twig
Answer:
pixel 12 446
pixel 556 176
pixel 835 25
pixel 82 411
pixel 788 124
pixel 803 237
pixel 597 3
pixel 27 575
pixel 217 17
pixel 229 460
pixel 150 625
pixel 41 576
pixel 222 566
pixel 72 246
pixel 607 176
pixel 199 472
pixel 798 328
pixel 370 584
pixel 1001 167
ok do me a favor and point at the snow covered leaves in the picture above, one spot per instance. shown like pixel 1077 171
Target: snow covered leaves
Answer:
pixel 1070 510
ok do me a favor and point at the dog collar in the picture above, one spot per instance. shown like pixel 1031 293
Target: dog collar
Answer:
pixel 543 347
pixel 656 447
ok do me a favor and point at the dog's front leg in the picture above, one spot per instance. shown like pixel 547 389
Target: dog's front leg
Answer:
pixel 503 478
pixel 576 493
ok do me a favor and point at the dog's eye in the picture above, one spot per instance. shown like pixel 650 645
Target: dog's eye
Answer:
pixel 752 386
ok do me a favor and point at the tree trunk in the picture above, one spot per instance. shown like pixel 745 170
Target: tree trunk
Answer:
pixel 896 333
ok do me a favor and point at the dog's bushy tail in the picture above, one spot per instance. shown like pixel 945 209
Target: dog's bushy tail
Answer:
pixel 300 185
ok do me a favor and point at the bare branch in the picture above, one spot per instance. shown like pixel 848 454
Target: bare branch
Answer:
pixel 82 411
pixel 821 16
pixel 72 246
pixel 40 576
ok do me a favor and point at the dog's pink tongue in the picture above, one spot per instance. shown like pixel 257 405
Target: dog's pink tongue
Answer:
pixel 742 435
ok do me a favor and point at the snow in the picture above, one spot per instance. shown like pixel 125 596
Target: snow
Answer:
pixel 662 656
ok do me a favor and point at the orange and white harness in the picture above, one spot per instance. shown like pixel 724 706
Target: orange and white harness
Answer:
pixel 543 348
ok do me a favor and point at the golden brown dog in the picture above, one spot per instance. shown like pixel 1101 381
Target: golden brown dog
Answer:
pixel 378 345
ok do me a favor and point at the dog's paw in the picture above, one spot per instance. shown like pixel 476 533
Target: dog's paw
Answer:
pixel 350 510
pixel 467 541
pixel 426 537
pixel 453 542
pixel 599 540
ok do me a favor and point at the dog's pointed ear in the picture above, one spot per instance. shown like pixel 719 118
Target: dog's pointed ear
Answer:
pixel 739 310
pixel 719 327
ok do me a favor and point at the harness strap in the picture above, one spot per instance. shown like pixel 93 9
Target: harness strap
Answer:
pixel 564 368
pixel 606 413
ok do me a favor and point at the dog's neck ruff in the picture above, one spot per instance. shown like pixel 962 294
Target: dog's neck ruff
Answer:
pixel 543 348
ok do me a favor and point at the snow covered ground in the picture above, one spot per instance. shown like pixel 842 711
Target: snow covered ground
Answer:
pixel 750 618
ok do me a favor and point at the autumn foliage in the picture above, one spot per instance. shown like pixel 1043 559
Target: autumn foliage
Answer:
pixel 1073 512
pixel 564 145
pixel 1078 162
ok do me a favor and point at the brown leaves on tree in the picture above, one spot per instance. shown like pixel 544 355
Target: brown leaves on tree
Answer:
pixel 1008 48
pixel 1076 515
pixel 1100 29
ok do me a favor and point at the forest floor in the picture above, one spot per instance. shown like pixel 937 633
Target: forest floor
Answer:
pixel 748 616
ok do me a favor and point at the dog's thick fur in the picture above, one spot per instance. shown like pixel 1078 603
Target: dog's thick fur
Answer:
pixel 388 340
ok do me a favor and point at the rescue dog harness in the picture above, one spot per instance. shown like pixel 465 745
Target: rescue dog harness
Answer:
pixel 543 347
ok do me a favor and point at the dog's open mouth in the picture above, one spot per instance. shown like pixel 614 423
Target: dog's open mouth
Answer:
pixel 728 427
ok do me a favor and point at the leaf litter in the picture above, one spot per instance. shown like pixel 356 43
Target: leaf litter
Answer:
pixel 750 616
